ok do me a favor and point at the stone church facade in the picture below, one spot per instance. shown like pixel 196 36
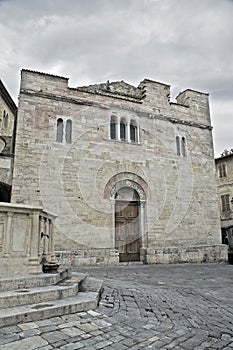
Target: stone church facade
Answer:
pixel 129 174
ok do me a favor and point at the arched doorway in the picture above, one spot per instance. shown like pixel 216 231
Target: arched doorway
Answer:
pixel 127 224
pixel 128 193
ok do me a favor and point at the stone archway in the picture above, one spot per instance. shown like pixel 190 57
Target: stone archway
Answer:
pixel 129 199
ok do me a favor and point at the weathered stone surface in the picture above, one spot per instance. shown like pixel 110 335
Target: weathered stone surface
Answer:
pixel 182 306
pixel 224 172
pixel 79 181
pixel 8 112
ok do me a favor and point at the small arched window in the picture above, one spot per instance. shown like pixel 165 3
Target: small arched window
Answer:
pixel 113 125
pixel 133 131
pixel 68 131
pixel 122 130
pixel 177 146
pixel 5 120
pixel 183 147
pixel 59 130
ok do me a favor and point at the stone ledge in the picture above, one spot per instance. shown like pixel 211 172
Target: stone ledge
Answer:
pixel 192 254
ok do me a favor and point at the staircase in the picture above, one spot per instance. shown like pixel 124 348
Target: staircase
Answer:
pixel 29 298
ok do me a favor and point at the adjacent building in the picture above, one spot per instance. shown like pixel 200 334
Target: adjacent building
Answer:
pixel 8 114
pixel 129 174
pixel 224 169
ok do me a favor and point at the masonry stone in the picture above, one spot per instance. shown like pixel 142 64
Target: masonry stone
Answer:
pixel 224 174
pixel 8 111
pixel 129 174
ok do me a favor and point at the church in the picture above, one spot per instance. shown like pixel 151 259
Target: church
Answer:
pixel 128 175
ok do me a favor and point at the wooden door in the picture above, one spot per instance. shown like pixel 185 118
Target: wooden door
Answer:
pixel 127 231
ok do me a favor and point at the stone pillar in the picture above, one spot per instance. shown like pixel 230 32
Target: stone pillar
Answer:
pixel 50 263
pixel 41 233
pixel 7 236
pixel 138 135
pixel 53 258
pixel 142 223
pixel 47 237
pixel 128 131
pixel 142 231
pixel 34 265
pixel 113 222
pixel 118 132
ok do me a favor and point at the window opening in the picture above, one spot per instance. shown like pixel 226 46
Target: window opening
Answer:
pixel 133 132
pixel 113 129
pixel 183 147
pixel 68 131
pixel 122 130
pixel 177 146
pixel 5 120
pixel 225 198
pixel 59 130
pixel 222 170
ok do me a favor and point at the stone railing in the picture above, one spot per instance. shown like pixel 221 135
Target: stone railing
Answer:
pixel 46 247
pixel 26 240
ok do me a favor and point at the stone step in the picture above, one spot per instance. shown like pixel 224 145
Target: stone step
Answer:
pixel 83 301
pixel 65 289
pixel 92 285
pixel 30 281
pixel 131 263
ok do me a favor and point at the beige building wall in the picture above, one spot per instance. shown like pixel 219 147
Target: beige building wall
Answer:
pixel 8 112
pixel 178 218
pixel 224 171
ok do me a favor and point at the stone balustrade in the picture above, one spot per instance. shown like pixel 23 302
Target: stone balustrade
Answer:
pixel 26 240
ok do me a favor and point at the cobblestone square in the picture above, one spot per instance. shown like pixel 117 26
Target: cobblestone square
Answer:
pixel 185 306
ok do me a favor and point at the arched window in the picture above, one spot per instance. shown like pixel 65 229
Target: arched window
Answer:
pixel 59 130
pixel 133 131
pixel 183 147
pixel 122 130
pixel 5 120
pixel 113 125
pixel 68 131
pixel 177 146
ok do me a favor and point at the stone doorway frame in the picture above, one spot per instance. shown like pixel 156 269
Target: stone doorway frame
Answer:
pixel 136 183
pixel 130 251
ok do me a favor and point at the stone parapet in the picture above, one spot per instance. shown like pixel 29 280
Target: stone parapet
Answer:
pixel 26 239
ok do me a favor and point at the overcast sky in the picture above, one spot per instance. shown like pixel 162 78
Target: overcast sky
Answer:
pixel 183 43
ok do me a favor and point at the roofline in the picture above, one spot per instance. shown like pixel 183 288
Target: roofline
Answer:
pixel 7 97
pixel 196 91
pixel 42 73
pixel 153 81
pixel 224 157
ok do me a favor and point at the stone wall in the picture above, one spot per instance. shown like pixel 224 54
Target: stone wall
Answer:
pixel 71 179
pixel 224 174
pixel 26 239
pixel 192 254
pixel 7 122
pixel 90 257
pixel 6 135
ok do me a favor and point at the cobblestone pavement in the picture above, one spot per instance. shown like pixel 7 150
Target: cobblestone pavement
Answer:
pixel 184 306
